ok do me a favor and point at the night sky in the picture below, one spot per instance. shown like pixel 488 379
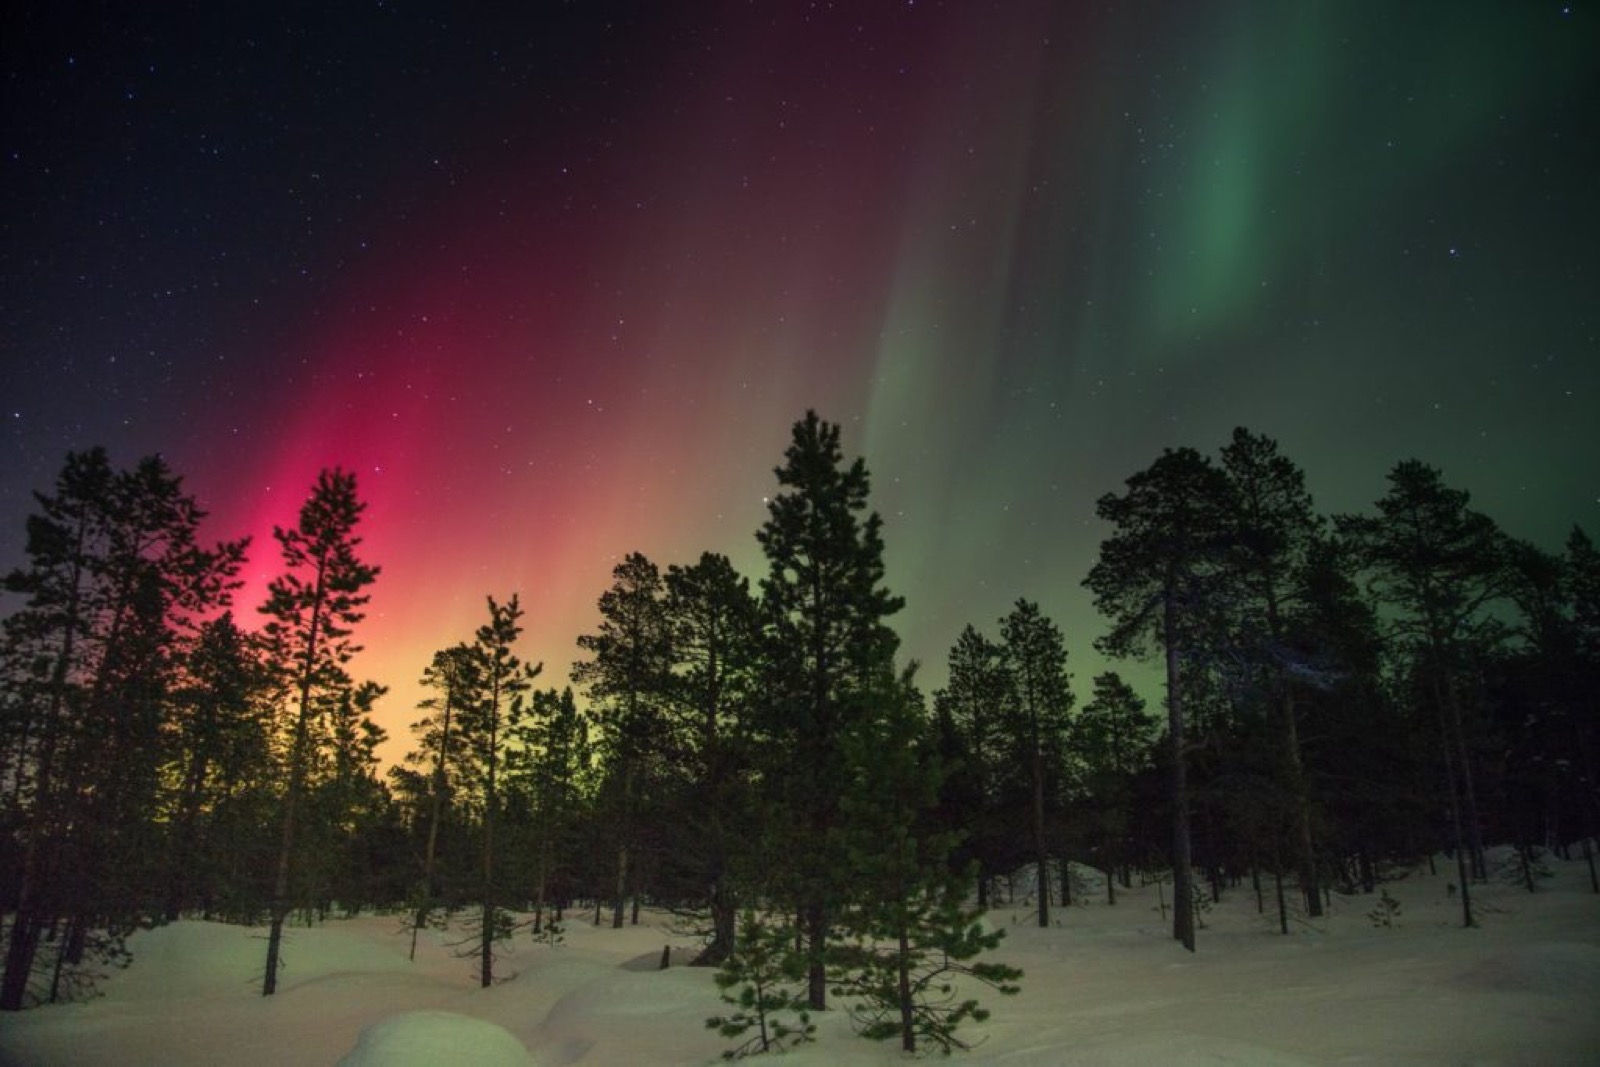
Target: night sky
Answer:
pixel 556 279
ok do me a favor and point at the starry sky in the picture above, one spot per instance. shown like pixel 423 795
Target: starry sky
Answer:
pixel 556 279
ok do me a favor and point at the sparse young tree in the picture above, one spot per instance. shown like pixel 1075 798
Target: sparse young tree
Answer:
pixel 911 930
pixel 453 680
pixel 311 610
pixel 488 722
pixel 769 975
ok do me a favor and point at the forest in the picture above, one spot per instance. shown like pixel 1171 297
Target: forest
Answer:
pixel 1345 696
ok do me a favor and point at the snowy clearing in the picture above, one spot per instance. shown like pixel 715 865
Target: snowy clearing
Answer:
pixel 1107 986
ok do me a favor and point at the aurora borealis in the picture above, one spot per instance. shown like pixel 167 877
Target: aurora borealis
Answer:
pixel 556 281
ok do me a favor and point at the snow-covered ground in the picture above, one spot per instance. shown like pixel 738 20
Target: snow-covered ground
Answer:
pixel 1107 986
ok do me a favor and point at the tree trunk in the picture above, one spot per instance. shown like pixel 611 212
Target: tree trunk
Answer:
pixel 486 945
pixel 298 758
pixel 816 932
pixel 1455 823
pixel 1469 793
pixel 430 877
pixel 26 922
pixel 540 878
pixel 724 925
pixel 20 952
pixel 280 883
pixel 619 896
pixel 908 1032
pixel 1039 851
pixel 1182 896
pixel 1305 851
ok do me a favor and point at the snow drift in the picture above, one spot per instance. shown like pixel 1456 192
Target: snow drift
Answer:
pixel 1104 986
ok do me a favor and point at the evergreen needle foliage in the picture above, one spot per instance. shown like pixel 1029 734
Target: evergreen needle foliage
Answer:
pixel 769 974
pixel 909 988
pixel 1386 913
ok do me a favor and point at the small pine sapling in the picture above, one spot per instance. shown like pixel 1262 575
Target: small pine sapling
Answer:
pixel 85 958
pixel 1386 912
pixel 770 975
pixel 902 975
pixel 422 912
pixel 1160 879
pixel 1527 869
pixel 550 932
pixel 1201 904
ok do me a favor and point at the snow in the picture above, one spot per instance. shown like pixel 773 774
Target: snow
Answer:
pixel 429 1038
pixel 1104 986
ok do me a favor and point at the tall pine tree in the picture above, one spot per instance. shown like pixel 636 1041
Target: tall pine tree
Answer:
pixel 714 625
pixel 626 678
pixel 1440 565
pixel 828 648
pixel 311 611
pixel 1275 528
pixel 1157 581
pixel 1114 734
pixel 489 723
pixel 116 588
pixel 1040 690
pixel 974 703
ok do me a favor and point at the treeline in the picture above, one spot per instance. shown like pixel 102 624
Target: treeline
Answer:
pixel 1342 695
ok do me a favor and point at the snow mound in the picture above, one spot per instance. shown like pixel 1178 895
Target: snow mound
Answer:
pixel 429 1038
pixel 1555 969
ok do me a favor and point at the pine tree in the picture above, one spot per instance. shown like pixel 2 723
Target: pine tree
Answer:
pixel 769 973
pixel 627 680
pixel 220 746
pixel 489 723
pixel 975 702
pixel 1581 578
pixel 1440 565
pixel 713 622
pixel 827 647
pixel 1035 659
pixel 1275 525
pixel 1114 735
pixel 911 933
pixel 351 805
pixel 549 759
pixel 116 586
pixel 311 609
pixel 452 677
pixel 1157 581
pixel 1374 788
